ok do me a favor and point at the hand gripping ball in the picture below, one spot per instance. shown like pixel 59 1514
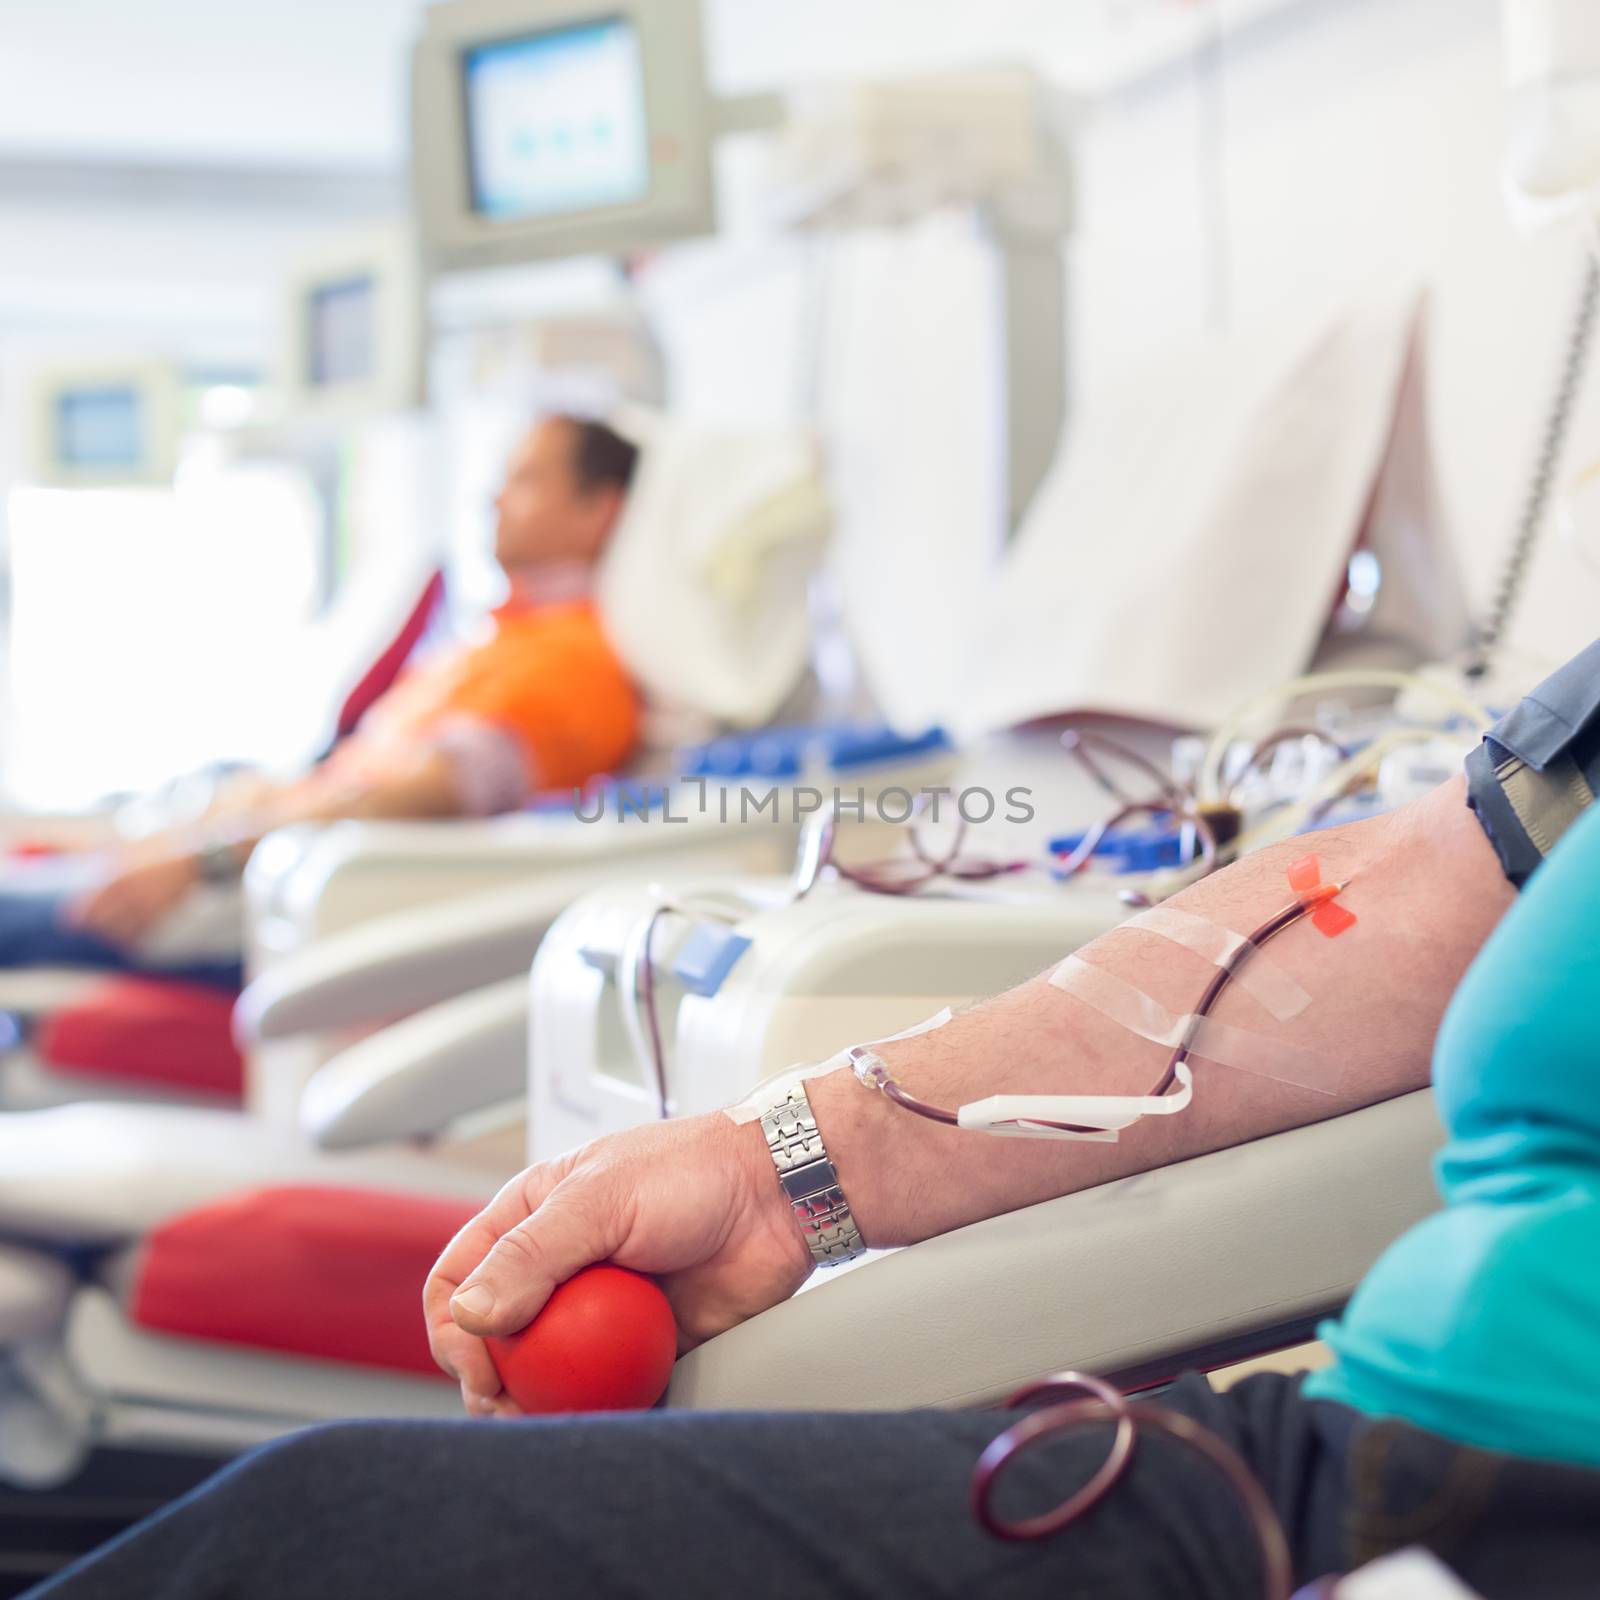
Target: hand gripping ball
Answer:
pixel 605 1341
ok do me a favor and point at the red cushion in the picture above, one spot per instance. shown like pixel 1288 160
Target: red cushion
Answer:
pixel 335 1273
pixel 379 678
pixel 153 1030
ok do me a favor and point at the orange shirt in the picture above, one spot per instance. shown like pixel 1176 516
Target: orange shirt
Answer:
pixel 547 677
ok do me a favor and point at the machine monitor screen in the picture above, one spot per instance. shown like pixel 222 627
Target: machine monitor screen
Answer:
pixel 556 122
pixel 100 428
pixel 341 324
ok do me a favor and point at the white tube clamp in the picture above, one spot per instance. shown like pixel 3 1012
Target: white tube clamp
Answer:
pixel 1026 1116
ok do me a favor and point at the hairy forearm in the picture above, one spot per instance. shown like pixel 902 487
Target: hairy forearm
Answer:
pixel 1427 890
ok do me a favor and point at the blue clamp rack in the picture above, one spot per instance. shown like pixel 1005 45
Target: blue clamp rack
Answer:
pixel 781 753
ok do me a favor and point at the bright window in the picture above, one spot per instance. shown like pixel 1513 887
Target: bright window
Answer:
pixel 154 631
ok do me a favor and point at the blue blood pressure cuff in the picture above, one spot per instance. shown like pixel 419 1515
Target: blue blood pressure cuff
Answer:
pixel 1538 768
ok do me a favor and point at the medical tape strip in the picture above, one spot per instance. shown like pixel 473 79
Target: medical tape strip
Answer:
pixel 1249 970
pixel 770 1091
pixel 1228 1046
pixel 1024 1116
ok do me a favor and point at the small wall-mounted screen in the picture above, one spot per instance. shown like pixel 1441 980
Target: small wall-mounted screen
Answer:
pixel 556 122
pixel 341 325
pixel 100 428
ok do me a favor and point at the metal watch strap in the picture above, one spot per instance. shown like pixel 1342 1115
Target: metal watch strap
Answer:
pixel 808 1179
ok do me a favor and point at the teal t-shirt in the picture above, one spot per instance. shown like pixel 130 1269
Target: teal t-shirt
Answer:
pixel 1482 1324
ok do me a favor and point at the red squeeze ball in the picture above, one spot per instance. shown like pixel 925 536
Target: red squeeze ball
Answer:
pixel 605 1341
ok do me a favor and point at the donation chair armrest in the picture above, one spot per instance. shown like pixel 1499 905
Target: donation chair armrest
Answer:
pixel 62 830
pixel 215 1394
pixel 399 963
pixel 91 1174
pixel 32 992
pixel 418 1076
pixel 1199 1263
pixel 312 883
pixel 315 881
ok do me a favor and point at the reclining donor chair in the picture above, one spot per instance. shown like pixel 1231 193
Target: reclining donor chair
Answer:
pixel 704 589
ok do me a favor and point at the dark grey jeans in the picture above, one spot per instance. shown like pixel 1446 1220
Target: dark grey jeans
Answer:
pixel 836 1506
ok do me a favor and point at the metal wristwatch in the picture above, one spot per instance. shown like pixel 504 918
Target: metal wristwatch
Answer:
pixel 219 862
pixel 808 1179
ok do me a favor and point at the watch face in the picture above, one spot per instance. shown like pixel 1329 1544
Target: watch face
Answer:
pixel 219 864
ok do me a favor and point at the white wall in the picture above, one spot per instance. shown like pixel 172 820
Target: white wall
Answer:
pixel 1362 142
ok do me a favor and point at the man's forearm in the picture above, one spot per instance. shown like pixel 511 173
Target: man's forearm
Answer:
pixel 424 789
pixel 1427 890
